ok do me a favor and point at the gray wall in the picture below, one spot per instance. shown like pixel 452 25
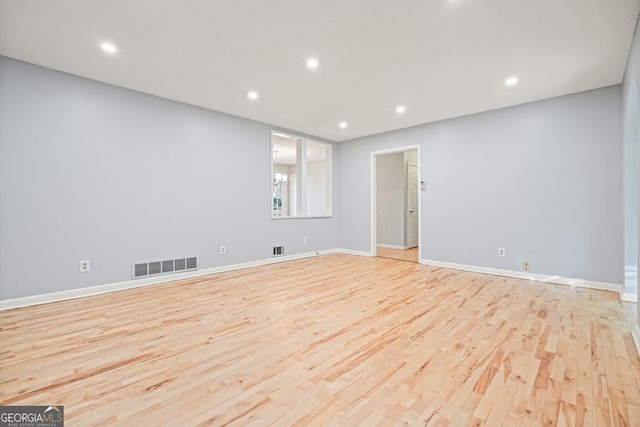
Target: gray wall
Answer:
pixel 631 137
pixel 541 180
pixel 92 171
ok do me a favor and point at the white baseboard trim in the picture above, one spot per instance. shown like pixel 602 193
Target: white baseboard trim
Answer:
pixel 352 252
pixel 401 248
pixel 529 276
pixel 627 297
pixel 130 284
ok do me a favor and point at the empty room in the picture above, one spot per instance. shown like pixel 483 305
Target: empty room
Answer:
pixel 366 212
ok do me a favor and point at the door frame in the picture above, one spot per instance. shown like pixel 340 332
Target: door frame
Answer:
pixel 373 178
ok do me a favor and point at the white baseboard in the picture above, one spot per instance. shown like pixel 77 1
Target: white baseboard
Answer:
pixel 401 248
pixel 530 276
pixel 627 297
pixel 130 284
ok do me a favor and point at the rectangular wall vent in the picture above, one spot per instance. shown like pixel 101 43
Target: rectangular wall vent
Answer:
pixel 154 268
pixel 167 266
pixel 278 250
pixel 192 263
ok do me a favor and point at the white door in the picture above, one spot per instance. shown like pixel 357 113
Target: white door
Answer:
pixel 412 205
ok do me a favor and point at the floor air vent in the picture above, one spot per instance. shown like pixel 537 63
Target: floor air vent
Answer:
pixel 278 250
pixel 155 268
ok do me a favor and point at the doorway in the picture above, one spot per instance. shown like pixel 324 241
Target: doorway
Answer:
pixel 395 209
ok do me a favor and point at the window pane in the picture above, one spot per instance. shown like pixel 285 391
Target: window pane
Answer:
pixel 284 165
pixel 301 176
pixel 318 179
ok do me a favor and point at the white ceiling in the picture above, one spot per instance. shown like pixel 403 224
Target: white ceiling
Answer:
pixel 439 58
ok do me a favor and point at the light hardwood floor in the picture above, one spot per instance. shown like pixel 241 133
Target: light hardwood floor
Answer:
pixel 404 255
pixel 331 340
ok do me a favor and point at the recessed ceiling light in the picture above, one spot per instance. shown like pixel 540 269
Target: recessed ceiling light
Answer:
pixel 253 95
pixel 108 47
pixel 511 81
pixel 400 109
pixel 343 125
pixel 312 63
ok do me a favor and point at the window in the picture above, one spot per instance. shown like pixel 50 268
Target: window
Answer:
pixel 301 177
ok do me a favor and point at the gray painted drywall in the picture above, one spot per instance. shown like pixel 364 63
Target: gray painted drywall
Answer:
pixel 630 119
pixel 390 199
pixel 92 171
pixel 541 180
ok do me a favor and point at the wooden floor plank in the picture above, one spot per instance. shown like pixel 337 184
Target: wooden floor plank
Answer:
pixel 331 340
pixel 399 254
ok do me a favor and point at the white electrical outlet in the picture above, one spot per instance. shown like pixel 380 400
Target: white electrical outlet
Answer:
pixel 305 240
pixel 85 266
pixel 525 266
pixel 223 250
pixel 502 252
